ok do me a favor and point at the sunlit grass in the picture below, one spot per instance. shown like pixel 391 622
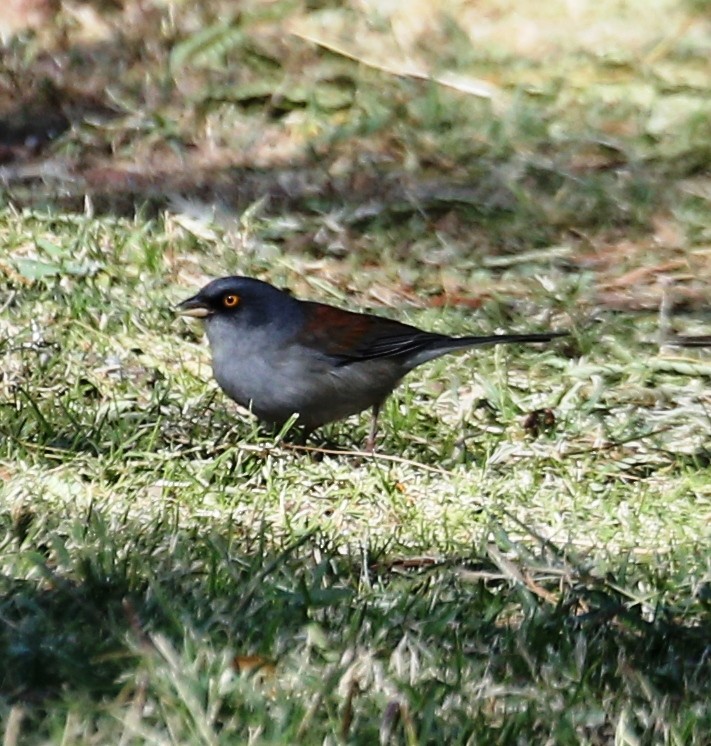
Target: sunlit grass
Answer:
pixel 472 581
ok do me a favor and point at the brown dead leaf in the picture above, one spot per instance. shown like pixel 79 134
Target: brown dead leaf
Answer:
pixel 648 298
pixel 585 161
pixel 635 276
pixel 449 300
pixel 13 276
pixel 667 232
pixel 390 296
pixel 251 664
pixel 539 590
pixel 407 563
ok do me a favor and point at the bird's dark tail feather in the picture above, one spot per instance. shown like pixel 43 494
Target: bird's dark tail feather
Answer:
pixel 701 340
pixel 498 339
pixel 433 348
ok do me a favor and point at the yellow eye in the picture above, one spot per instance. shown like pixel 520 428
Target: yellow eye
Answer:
pixel 230 301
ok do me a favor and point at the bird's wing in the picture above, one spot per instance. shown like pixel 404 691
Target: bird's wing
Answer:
pixel 350 337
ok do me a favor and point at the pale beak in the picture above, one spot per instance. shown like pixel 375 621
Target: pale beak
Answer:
pixel 193 307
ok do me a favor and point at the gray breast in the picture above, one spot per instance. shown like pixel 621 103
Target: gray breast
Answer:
pixel 278 381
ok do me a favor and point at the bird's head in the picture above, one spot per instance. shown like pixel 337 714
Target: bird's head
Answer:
pixel 242 301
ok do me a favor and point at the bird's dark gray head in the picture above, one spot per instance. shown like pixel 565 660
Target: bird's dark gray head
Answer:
pixel 242 300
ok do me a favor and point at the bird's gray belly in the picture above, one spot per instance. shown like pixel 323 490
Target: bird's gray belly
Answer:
pixel 290 381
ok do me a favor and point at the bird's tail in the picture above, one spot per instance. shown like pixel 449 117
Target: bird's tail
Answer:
pixel 499 339
pixel 444 345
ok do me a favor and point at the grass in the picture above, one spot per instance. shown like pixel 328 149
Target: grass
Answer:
pixel 473 582
pixel 526 558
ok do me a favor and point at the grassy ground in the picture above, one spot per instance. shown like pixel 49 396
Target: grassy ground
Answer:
pixel 526 559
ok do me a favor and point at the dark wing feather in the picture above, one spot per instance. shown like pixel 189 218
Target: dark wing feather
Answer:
pixel 349 337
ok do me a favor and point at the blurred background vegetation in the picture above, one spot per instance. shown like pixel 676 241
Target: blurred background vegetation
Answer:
pixel 432 129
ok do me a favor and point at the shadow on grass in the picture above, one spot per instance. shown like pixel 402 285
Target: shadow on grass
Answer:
pixel 164 150
pixel 81 600
pixel 78 601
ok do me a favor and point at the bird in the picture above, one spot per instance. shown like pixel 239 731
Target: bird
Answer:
pixel 281 356
pixel 681 340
